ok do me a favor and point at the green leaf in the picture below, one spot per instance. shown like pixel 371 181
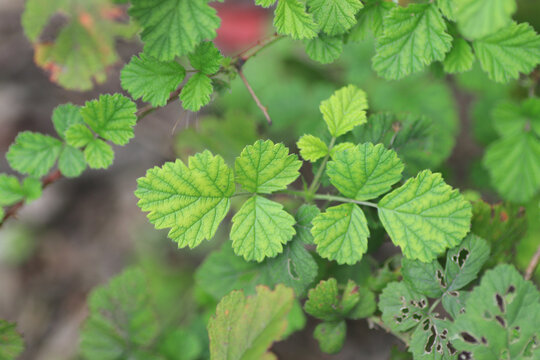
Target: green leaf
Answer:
pixel 37 14
pixel 326 302
pixel 71 162
pixel 365 172
pixel 206 58
pixel 232 337
pixel 122 321
pixel 304 217
pixel 460 58
pixel 511 50
pixel 260 228
pixel 501 318
pixel 447 8
pixel 341 233
pixel 454 302
pixel 10 190
pixel 174 27
pixel 98 154
pixel 324 49
pixel 196 92
pixel 510 118
pixel 191 201
pixel 464 262
pixel 514 166
pixel 112 117
pixel 424 278
pixel 79 135
pixel 430 340
pixel 478 18
pixel 295 268
pixel 265 3
pixel 425 216
pixel 265 167
pixel 2 214
pixel 341 147
pixel 370 20
pixel 402 308
pixel 334 17
pixel 33 153
pixel 344 110
pixel 312 148
pixel 64 116
pixel 414 37
pixel 292 19
pixel 150 79
pixel 11 343
pixel 331 336
pixel 32 189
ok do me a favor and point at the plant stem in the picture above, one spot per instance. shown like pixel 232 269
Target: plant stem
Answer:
pixel 434 305
pixel 261 45
pixel 377 321
pixel 254 96
pixel 315 184
pixel 532 264
pixel 327 197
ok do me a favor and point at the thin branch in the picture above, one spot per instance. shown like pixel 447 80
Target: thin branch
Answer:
pixel 254 96
pixel 532 264
pixel 261 45
pixel 328 197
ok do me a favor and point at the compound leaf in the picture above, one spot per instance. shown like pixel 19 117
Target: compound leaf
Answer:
pixel 460 58
pixel 33 153
pixel 478 18
pixel 98 154
pixel 365 171
pixel 122 321
pixel 245 327
pixel 501 318
pixel 341 233
pixel 514 165
pixel 71 162
pixel 260 228
pixel 173 28
pixel 344 110
pixel 334 17
pixel 11 343
pixel 265 167
pixel 331 336
pixel 425 216
pixel 64 116
pixel 292 19
pixel 413 37
pixel 196 92
pixel 509 51
pixel 150 79
pixel 324 49
pixel 402 308
pixel 312 148
pixel 112 117
pixel 206 58
pixel 464 262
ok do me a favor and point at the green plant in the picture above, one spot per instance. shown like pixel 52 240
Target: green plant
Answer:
pixel 369 182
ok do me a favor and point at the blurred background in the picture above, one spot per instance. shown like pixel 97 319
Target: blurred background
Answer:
pixel 84 231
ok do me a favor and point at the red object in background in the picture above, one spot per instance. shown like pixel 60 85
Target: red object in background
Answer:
pixel 242 25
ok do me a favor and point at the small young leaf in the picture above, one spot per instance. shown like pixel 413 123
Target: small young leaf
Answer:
pixel 477 18
pixel 174 27
pixel 460 58
pixel 150 79
pixel 414 36
pixel 424 278
pixel 506 53
pixel 324 49
pixel 341 147
pixel 98 154
pixel 304 217
pixel 425 216
pixel 501 318
pixel 64 116
pixel 370 20
pixel 260 228
pixel 430 340
pixel 32 189
pixel 514 165
pixel 71 162
pixel 341 233
pixel 365 172
pixel 335 17
pixel 79 135
pixel 331 336
pixel 292 19
pixel 464 262
pixel 33 153
pixel 510 118
pixel 191 201
pixel 11 343
pixel 10 190
pixel 402 308
pixel 327 303
pixel 196 92
pixel 344 110
pixel 312 148
pixel 232 337
pixel 112 117
pixel 265 167
pixel 206 58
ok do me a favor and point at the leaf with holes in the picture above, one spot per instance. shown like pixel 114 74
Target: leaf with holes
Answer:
pixel 401 307
pixel 430 340
pixel 424 278
pixel 501 318
pixel 464 262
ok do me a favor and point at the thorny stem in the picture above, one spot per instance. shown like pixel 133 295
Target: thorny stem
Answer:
pixel 315 184
pixel 532 264
pixel 327 197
